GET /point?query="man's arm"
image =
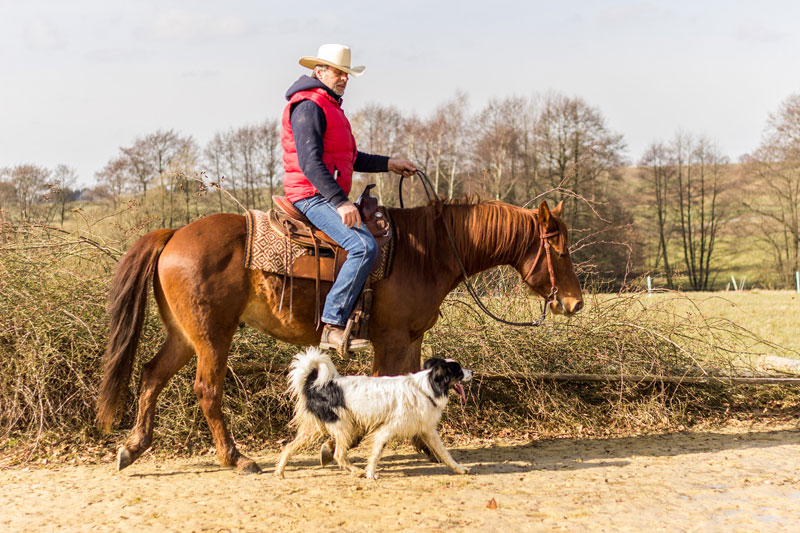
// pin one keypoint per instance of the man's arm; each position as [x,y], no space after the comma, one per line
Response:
[308,126]
[371,163]
[381,163]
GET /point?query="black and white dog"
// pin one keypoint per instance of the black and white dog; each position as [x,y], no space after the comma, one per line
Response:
[350,408]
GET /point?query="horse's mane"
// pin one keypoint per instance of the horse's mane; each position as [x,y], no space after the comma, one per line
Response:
[485,232]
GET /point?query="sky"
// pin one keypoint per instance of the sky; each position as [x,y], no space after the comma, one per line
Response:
[80,79]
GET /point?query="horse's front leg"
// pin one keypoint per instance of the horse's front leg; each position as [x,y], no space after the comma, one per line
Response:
[393,360]
[396,355]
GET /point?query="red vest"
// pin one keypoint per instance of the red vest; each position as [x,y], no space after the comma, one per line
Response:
[338,146]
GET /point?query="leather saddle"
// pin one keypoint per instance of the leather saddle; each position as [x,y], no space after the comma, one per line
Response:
[327,256]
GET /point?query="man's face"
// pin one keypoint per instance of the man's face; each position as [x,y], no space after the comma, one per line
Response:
[333,78]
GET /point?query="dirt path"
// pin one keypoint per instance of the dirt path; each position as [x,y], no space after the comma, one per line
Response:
[737,478]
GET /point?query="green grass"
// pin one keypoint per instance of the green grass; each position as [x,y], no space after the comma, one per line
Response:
[766,321]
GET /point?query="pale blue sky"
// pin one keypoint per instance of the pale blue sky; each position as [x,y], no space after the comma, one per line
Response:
[79,79]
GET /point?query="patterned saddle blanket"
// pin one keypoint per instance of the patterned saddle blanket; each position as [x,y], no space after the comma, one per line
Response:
[283,245]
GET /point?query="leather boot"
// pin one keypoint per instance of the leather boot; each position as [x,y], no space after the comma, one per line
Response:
[333,338]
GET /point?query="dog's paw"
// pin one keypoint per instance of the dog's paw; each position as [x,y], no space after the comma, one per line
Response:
[325,454]
[372,475]
[278,475]
[461,470]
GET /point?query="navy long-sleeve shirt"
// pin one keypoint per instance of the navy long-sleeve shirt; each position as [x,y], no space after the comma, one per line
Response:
[308,126]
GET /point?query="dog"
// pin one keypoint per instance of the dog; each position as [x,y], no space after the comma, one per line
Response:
[352,408]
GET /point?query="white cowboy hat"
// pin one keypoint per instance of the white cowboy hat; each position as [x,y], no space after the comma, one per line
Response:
[334,55]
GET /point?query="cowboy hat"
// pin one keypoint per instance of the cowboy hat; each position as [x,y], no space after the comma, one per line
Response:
[334,55]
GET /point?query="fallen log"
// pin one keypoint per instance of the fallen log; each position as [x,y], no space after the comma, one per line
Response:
[643,379]
[779,364]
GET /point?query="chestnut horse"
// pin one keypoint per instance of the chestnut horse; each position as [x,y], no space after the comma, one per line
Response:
[204,293]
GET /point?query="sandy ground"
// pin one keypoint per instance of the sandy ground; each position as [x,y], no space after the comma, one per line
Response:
[733,479]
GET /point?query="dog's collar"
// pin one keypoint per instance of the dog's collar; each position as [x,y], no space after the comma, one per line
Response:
[431,399]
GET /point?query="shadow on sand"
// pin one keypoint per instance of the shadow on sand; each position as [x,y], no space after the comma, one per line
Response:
[563,454]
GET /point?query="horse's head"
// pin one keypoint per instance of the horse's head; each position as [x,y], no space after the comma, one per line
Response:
[546,265]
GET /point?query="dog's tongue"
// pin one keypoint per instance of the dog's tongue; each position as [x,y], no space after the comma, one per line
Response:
[460,390]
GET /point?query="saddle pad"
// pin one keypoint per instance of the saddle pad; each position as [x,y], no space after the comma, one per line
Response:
[265,248]
[270,250]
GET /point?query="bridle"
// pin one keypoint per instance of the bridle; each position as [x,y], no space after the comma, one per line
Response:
[543,244]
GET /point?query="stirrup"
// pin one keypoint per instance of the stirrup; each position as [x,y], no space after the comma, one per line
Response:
[345,344]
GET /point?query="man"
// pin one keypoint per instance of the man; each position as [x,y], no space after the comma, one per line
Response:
[319,157]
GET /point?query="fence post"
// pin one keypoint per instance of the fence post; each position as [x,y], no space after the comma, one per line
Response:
[649,286]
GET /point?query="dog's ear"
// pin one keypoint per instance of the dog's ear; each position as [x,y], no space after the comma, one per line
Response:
[441,374]
[431,362]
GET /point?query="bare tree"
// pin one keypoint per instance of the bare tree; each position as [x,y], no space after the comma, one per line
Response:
[230,154]
[138,164]
[657,172]
[444,139]
[182,171]
[247,148]
[578,153]
[377,130]
[773,173]
[159,149]
[270,153]
[114,175]
[30,183]
[698,181]
[65,180]
[214,157]
[8,196]
[498,132]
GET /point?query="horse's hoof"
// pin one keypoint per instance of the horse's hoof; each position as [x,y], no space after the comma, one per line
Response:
[124,458]
[325,454]
[247,466]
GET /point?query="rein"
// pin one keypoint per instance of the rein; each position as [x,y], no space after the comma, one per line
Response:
[544,244]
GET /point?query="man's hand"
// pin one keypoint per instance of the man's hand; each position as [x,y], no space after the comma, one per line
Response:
[402,167]
[350,215]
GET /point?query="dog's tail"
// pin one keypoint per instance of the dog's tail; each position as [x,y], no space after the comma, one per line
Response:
[304,364]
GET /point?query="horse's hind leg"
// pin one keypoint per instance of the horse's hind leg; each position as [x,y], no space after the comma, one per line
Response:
[173,355]
[212,358]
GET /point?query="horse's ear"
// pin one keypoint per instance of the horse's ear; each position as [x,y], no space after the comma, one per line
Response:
[559,209]
[544,214]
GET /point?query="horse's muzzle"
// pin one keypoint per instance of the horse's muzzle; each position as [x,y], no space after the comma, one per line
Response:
[566,306]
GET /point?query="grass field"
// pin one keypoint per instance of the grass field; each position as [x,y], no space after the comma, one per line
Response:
[768,322]
[773,316]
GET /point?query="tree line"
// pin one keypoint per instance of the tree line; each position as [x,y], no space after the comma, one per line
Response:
[665,215]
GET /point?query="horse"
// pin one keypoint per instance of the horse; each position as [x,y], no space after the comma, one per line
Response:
[204,293]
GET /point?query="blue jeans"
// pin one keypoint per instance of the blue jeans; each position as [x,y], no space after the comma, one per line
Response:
[361,251]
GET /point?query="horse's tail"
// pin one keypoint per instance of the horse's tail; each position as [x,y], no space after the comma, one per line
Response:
[127,309]
[310,372]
